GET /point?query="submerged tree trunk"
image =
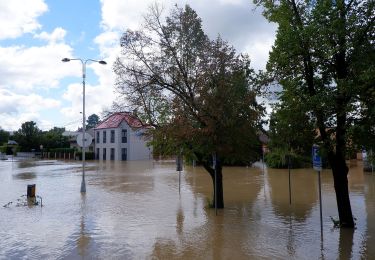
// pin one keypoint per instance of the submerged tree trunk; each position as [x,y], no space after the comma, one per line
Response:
[340,177]
[219,183]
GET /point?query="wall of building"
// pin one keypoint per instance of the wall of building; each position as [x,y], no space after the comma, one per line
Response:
[138,146]
[135,146]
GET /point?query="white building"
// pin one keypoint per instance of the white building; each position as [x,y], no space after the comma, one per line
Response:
[121,137]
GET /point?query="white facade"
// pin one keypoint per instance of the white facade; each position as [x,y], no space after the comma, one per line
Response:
[121,143]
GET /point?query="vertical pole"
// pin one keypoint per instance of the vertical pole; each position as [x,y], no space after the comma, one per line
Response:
[83,184]
[263,158]
[320,206]
[215,189]
[290,187]
[264,173]
[372,162]
[179,163]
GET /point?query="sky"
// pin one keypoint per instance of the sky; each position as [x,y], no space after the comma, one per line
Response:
[35,35]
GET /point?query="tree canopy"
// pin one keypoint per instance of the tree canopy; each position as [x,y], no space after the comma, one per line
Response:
[4,136]
[323,57]
[92,121]
[194,91]
[54,138]
[287,117]
[29,137]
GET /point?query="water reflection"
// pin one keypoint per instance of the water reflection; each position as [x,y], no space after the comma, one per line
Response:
[84,238]
[136,180]
[369,249]
[304,192]
[346,243]
[132,210]
[25,175]
[180,221]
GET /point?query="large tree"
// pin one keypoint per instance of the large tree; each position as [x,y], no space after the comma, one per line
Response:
[324,56]
[286,148]
[194,91]
[28,136]
[4,136]
[54,138]
[92,121]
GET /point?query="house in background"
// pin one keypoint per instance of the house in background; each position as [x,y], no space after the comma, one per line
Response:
[121,137]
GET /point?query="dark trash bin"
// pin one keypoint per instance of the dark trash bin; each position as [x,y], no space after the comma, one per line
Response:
[31,191]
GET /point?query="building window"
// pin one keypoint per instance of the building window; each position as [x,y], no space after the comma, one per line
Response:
[97,154]
[104,154]
[112,136]
[124,154]
[124,133]
[112,154]
[104,137]
[97,137]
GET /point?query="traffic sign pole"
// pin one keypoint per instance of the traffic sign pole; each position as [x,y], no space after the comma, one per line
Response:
[317,165]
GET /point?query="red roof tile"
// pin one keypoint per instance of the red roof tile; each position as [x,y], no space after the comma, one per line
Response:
[115,120]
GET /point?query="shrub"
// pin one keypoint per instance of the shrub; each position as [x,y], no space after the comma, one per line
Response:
[88,155]
[278,158]
[62,150]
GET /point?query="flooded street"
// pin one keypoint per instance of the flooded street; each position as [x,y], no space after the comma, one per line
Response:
[133,210]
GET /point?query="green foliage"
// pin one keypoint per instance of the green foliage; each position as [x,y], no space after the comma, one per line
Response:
[62,150]
[54,139]
[195,92]
[88,155]
[292,128]
[92,121]
[279,158]
[9,150]
[209,204]
[4,136]
[28,136]
[323,57]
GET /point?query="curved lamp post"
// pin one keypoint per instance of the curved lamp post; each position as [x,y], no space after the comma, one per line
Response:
[84,62]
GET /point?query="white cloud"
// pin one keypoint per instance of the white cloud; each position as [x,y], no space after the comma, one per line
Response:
[18,17]
[259,50]
[232,2]
[16,109]
[122,15]
[237,21]
[97,98]
[25,68]
[58,34]
[11,102]
[25,71]
[109,42]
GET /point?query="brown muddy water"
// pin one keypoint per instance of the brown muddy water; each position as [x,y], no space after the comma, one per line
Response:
[133,210]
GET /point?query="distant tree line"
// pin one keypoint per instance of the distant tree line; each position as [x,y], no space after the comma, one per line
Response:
[30,137]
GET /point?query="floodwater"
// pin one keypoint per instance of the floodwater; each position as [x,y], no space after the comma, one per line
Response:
[133,210]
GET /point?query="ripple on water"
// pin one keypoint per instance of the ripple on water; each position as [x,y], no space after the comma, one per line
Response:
[133,210]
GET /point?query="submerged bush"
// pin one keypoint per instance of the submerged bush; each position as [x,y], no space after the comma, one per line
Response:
[278,158]
[88,155]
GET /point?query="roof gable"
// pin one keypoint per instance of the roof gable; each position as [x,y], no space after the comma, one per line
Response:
[115,120]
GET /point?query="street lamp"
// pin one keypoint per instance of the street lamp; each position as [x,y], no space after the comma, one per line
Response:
[84,62]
